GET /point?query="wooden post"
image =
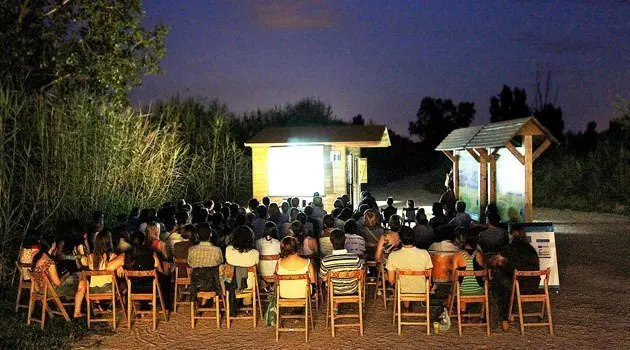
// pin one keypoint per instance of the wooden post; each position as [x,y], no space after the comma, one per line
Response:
[529,194]
[483,183]
[456,175]
[493,178]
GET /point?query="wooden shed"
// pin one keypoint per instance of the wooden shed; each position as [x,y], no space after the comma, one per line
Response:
[298,161]
[486,145]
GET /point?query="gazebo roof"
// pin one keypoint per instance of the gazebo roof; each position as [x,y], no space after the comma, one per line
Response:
[493,134]
[348,135]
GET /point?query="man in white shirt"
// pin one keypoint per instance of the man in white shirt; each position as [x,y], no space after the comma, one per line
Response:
[408,258]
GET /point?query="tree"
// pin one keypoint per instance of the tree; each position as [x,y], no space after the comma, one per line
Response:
[545,109]
[509,104]
[63,45]
[358,120]
[436,118]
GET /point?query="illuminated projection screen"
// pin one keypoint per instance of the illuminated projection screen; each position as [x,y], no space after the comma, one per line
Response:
[510,186]
[295,171]
[469,183]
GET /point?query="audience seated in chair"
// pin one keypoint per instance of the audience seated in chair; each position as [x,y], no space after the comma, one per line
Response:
[408,257]
[439,219]
[461,219]
[291,263]
[325,245]
[354,242]
[423,234]
[268,245]
[390,240]
[340,260]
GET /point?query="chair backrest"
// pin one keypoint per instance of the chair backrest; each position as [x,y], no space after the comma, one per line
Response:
[544,274]
[41,283]
[180,261]
[480,273]
[424,273]
[134,273]
[23,269]
[269,257]
[346,274]
[301,277]
[87,274]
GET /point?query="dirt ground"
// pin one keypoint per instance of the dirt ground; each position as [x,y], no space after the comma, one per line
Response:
[591,310]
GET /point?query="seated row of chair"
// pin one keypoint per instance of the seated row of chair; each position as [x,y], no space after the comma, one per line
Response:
[41,290]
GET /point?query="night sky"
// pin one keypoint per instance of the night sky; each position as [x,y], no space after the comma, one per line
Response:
[380,58]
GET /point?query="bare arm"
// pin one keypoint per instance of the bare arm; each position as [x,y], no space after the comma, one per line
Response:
[158,265]
[54,277]
[379,248]
[311,273]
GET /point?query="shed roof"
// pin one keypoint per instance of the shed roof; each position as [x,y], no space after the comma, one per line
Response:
[493,134]
[349,135]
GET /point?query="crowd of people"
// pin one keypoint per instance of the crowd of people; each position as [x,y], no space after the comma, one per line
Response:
[305,238]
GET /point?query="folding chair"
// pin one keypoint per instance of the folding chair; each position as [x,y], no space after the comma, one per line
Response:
[472,299]
[314,258]
[270,279]
[381,282]
[112,296]
[197,311]
[253,293]
[531,298]
[43,291]
[401,297]
[132,297]
[24,282]
[287,302]
[335,276]
[182,278]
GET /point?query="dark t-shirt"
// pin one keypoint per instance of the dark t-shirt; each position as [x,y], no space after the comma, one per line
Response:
[520,255]
[493,240]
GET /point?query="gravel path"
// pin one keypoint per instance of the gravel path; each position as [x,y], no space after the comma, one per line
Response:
[591,310]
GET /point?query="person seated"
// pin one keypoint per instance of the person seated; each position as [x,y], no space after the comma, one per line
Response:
[152,233]
[444,240]
[340,260]
[143,258]
[204,253]
[181,248]
[266,201]
[354,242]
[493,239]
[277,218]
[389,210]
[337,207]
[295,203]
[102,259]
[325,245]
[371,232]
[291,263]
[469,259]
[409,257]
[390,240]
[318,207]
[461,219]
[346,214]
[313,221]
[284,208]
[268,245]
[252,204]
[242,252]
[259,222]
[423,234]
[308,244]
[66,286]
[438,219]
[410,211]
[517,255]
[306,226]
[346,201]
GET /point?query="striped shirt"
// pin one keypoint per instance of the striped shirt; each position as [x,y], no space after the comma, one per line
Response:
[341,260]
[355,244]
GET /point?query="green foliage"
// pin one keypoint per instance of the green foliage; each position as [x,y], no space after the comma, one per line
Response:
[63,45]
[436,118]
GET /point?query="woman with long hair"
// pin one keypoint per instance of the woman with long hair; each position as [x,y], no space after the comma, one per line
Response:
[152,234]
[390,240]
[64,286]
[268,245]
[291,263]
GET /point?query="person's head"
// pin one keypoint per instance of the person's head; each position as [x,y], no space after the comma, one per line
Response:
[493,219]
[181,203]
[182,217]
[289,246]
[301,217]
[517,232]
[217,218]
[152,231]
[266,201]
[338,203]
[295,202]
[445,233]
[201,215]
[189,231]
[329,221]
[460,207]
[135,212]
[46,246]
[371,218]
[243,239]
[209,204]
[346,213]
[102,246]
[421,217]
[308,210]
[241,219]
[338,239]
[492,208]
[318,202]
[395,223]
[270,231]
[390,201]
[294,213]
[285,207]
[274,210]
[261,211]
[296,227]
[346,199]
[350,227]
[204,232]
[249,217]
[253,204]
[363,208]
[411,203]
[437,209]
[406,236]
[470,241]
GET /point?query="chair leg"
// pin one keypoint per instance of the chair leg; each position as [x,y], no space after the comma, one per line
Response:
[395,309]
[399,313]
[44,309]
[19,295]
[254,313]
[548,304]
[175,296]
[128,305]
[487,306]
[459,314]
[332,314]
[308,301]
[520,310]
[89,308]
[159,291]
[31,302]
[511,306]
[217,313]
[278,321]
[192,313]
[154,310]
[113,308]
[360,313]
[428,314]
[227,308]
[328,308]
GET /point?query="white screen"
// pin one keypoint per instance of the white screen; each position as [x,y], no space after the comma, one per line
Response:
[295,171]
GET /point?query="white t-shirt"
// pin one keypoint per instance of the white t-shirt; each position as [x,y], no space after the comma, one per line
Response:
[247,259]
[265,247]
[410,259]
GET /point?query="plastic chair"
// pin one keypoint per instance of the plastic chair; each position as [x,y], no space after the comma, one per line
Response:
[289,302]
[112,296]
[335,276]
[152,297]
[472,299]
[531,298]
[182,278]
[401,297]
[254,294]
[43,291]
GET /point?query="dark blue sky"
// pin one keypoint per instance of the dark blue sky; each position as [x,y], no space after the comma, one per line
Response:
[380,58]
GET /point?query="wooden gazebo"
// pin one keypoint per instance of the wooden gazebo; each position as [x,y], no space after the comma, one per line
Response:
[483,143]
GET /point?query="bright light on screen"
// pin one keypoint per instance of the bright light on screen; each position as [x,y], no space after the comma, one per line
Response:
[296,171]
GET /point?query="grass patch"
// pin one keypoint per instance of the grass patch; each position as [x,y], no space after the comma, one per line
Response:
[58,334]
